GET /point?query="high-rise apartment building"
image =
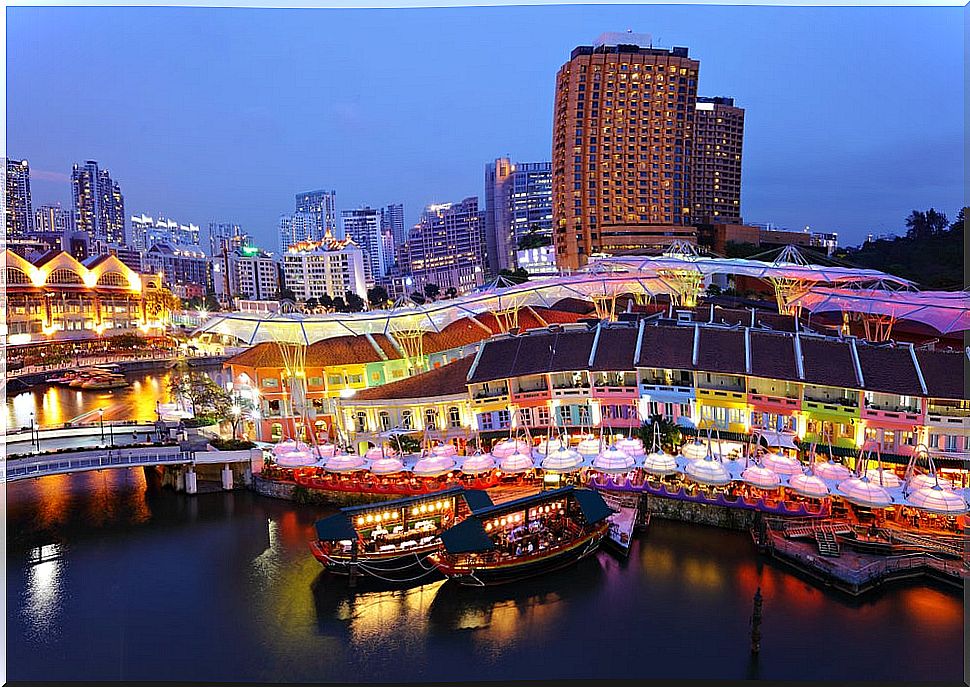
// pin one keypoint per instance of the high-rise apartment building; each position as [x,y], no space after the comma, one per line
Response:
[518,202]
[53,219]
[226,236]
[447,247]
[623,132]
[99,206]
[146,231]
[392,219]
[299,227]
[718,139]
[19,216]
[185,269]
[330,267]
[363,225]
[323,206]
[256,274]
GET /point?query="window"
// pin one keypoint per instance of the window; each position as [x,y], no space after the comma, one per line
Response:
[543,416]
[584,415]
[276,431]
[526,415]
[951,443]
[485,421]
[384,418]
[271,382]
[934,441]
[431,418]
[407,419]
[504,419]
[361,421]
[454,417]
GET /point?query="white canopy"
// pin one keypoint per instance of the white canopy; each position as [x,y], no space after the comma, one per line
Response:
[772,439]
[507,447]
[432,466]
[295,459]
[377,453]
[345,462]
[660,463]
[562,460]
[388,465]
[783,465]
[760,477]
[478,463]
[832,471]
[936,499]
[694,450]
[862,492]
[516,462]
[708,471]
[921,480]
[631,446]
[884,477]
[589,446]
[446,449]
[809,485]
[613,460]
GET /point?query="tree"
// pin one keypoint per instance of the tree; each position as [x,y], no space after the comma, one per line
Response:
[286,294]
[451,292]
[534,239]
[312,303]
[354,302]
[197,388]
[418,297]
[432,291]
[377,296]
[325,301]
[339,305]
[516,276]
[714,290]
[230,407]
[670,435]
[212,303]
[921,225]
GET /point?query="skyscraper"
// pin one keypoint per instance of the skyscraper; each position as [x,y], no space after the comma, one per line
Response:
[19,216]
[392,219]
[53,219]
[518,200]
[447,247]
[298,227]
[622,148]
[323,206]
[363,225]
[719,135]
[99,206]
[146,231]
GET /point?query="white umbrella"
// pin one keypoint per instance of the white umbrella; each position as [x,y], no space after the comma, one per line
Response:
[589,446]
[695,450]
[862,492]
[545,447]
[809,485]
[388,465]
[446,449]
[631,446]
[325,450]
[884,477]
[660,463]
[707,470]
[782,464]
[830,470]
[936,499]
[345,462]
[613,460]
[377,453]
[516,462]
[295,459]
[478,463]
[923,480]
[562,460]
[507,447]
[760,477]
[432,466]
[289,446]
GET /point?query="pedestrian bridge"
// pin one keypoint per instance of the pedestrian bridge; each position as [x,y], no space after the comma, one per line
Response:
[125,457]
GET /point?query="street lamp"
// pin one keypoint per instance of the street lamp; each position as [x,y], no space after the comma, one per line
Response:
[236,412]
[32,440]
[101,422]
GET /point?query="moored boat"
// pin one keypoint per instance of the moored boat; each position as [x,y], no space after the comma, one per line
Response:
[390,540]
[523,538]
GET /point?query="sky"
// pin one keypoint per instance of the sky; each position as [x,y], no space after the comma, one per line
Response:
[854,116]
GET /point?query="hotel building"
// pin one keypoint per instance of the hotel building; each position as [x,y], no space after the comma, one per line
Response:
[332,266]
[518,200]
[19,217]
[719,138]
[447,247]
[623,134]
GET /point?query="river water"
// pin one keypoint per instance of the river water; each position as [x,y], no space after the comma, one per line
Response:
[110,578]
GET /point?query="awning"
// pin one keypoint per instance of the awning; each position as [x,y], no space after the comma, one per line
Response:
[592,505]
[407,500]
[477,499]
[337,527]
[778,439]
[468,536]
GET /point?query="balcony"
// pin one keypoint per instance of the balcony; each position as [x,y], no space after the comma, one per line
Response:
[722,395]
[832,410]
[892,415]
[773,404]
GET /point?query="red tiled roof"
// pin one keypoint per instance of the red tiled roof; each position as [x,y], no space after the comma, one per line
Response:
[442,381]
[889,368]
[667,347]
[614,351]
[721,350]
[828,362]
[773,356]
[943,373]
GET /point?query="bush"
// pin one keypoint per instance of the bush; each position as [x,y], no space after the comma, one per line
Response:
[231,444]
[201,420]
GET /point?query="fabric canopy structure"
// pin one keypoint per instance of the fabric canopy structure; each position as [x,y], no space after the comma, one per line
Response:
[432,466]
[613,460]
[945,311]
[785,440]
[760,477]
[447,449]
[781,464]
[938,500]
[507,447]
[563,460]
[589,446]
[923,480]
[660,463]
[862,492]
[347,462]
[832,471]
[708,471]
[478,463]
[516,462]
[884,477]
[389,465]
[377,453]
[811,486]
[632,447]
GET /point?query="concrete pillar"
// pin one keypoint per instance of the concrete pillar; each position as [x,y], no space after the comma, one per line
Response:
[226,477]
[191,485]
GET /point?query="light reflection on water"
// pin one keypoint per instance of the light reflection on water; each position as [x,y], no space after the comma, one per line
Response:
[226,582]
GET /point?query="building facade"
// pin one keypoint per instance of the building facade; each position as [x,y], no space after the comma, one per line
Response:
[257,274]
[719,139]
[99,206]
[146,231]
[184,269]
[53,220]
[19,217]
[298,227]
[322,206]
[392,222]
[364,227]
[518,203]
[623,134]
[447,247]
[330,267]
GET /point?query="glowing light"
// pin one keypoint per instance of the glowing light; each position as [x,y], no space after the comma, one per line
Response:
[360,520]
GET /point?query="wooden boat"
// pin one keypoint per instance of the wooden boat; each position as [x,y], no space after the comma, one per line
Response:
[391,540]
[523,538]
[104,383]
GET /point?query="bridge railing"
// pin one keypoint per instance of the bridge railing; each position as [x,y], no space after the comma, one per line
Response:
[92,460]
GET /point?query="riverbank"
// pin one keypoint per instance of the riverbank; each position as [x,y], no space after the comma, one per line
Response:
[23,379]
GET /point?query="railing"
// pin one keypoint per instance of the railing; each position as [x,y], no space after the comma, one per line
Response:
[93,460]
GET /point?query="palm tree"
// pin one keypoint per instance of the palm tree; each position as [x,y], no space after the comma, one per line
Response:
[670,434]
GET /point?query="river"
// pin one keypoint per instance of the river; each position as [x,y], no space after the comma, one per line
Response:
[109,578]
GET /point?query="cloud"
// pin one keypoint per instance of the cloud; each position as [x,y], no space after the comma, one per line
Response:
[44,175]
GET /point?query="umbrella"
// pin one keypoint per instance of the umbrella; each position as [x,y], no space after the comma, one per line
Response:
[562,460]
[884,477]
[695,450]
[660,463]
[507,447]
[923,480]
[345,462]
[377,453]
[632,447]
[289,446]
[546,447]
[809,485]
[760,477]
[708,470]
[432,466]
[387,465]
[589,446]
[936,499]
[516,462]
[447,449]
[613,460]
[831,470]
[478,463]
[325,450]
[782,464]
[295,459]
[862,492]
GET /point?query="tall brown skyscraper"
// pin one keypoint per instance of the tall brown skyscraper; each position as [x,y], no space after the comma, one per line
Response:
[719,135]
[622,148]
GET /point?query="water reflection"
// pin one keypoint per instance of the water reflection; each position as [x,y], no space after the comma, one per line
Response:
[43,593]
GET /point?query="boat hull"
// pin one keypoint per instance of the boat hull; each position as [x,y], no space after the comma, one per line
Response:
[489,574]
[394,568]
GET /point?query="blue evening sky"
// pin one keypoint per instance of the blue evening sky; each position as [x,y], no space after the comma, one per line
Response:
[854,115]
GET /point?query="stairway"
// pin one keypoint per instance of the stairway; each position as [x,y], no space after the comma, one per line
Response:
[828,545]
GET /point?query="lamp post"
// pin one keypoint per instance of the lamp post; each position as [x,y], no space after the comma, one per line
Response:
[35,442]
[236,412]
[101,422]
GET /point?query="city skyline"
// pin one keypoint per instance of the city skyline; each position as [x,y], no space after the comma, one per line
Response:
[856,166]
